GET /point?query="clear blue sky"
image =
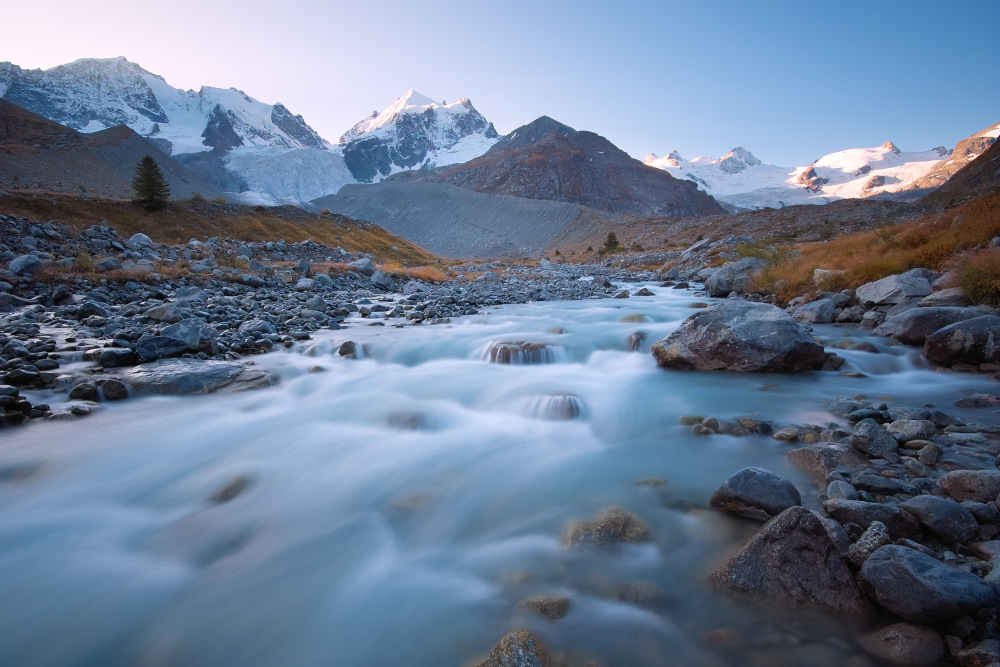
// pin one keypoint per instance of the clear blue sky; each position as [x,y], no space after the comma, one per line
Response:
[790,81]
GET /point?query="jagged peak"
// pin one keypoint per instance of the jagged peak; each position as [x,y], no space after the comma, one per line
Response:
[674,155]
[650,157]
[889,146]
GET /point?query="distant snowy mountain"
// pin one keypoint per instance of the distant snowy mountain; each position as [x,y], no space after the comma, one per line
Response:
[415,132]
[740,179]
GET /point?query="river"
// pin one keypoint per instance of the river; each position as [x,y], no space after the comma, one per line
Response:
[395,509]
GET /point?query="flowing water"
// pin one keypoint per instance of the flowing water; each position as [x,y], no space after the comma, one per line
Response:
[394,509]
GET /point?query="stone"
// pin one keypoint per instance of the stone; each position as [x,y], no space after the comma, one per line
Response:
[873,539]
[740,336]
[921,589]
[984,654]
[383,280]
[257,326]
[756,494]
[84,391]
[112,389]
[551,607]
[613,527]
[893,289]
[915,325]
[898,522]
[187,376]
[912,429]
[106,264]
[139,241]
[364,266]
[786,434]
[824,458]
[195,334]
[167,312]
[905,645]
[945,518]
[871,439]
[972,341]
[152,348]
[795,561]
[821,311]
[90,309]
[520,352]
[838,488]
[734,277]
[233,488]
[952,296]
[116,357]
[981,486]
[349,350]
[25,265]
[518,649]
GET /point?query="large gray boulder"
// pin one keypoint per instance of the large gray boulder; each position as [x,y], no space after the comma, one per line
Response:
[922,589]
[139,241]
[915,325]
[943,517]
[151,348]
[383,280]
[894,289]
[734,277]
[364,266]
[869,437]
[796,559]
[973,341]
[756,493]
[899,523]
[189,376]
[740,336]
[195,334]
[981,486]
[26,265]
[820,311]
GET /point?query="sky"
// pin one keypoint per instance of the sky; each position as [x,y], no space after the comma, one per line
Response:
[790,81]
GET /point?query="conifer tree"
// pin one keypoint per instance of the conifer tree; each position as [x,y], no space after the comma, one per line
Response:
[611,243]
[150,188]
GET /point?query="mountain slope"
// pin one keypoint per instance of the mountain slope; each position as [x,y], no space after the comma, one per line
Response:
[965,151]
[415,132]
[551,161]
[38,154]
[978,178]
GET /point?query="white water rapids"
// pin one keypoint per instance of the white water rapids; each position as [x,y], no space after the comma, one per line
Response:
[399,506]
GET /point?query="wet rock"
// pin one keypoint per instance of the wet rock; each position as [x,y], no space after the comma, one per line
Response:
[349,349]
[899,523]
[824,458]
[195,334]
[518,649]
[521,352]
[90,309]
[159,347]
[756,493]
[973,341]
[893,289]
[613,527]
[112,389]
[740,336]
[874,483]
[905,645]
[871,439]
[558,407]
[840,489]
[915,325]
[735,277]
[979,485]
[794,560]
[84,391]
[945,518]
[116,357]
[912,429]
[552,607]
[919,588]
[786,434]
[820,311]
[873,539]
[185,376]
[231,490]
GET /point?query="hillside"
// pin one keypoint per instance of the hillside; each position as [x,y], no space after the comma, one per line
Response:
[36,153]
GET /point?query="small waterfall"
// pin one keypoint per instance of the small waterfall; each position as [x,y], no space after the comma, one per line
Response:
[521,353]
[556,407]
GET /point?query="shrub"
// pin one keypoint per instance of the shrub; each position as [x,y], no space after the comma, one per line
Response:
[979,277]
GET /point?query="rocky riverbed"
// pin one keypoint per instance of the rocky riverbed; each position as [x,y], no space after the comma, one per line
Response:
[486,456]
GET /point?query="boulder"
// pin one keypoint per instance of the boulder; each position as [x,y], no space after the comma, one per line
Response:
[915,325]
[364,266]
[518,649]
[823,458]
[115,357]
[893,289]
[873,539]
[152,348]
[383,280]
[953,296]
[25,265]
[167,312]
[756,493]
[613,527]
[189,376]
[899,523]
[257,326]
[912,429]
[734,277]
[820,311]
[972,341]
[870,438]
[139,241]
[922,589]
[552,607]
[106,264]
[796,561]
[90,309]
[195,334]
[905,645]
[982,486]
[740,336]
[945,518]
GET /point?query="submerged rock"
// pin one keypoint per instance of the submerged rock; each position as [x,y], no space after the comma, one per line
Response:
[613,527]
[905,645]
[796,561]
[919,588]
[186,376]
[740,336]
[756,494]
[521,352]
[550,606]
[518,649]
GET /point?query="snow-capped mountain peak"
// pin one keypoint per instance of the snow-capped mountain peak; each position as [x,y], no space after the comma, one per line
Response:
[889,146]
[414,132]
[735,160]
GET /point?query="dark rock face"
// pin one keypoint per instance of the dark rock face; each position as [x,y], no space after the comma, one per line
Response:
[518,649]
[973,341]
[898,522]
[795,561]
[915,325]
[919,588]
[945,518]
[548,160]
[740,336]
[756,493]
[219,132]
[295,127]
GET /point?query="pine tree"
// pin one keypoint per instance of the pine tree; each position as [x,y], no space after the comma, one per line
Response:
[150,188]
[611,243]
